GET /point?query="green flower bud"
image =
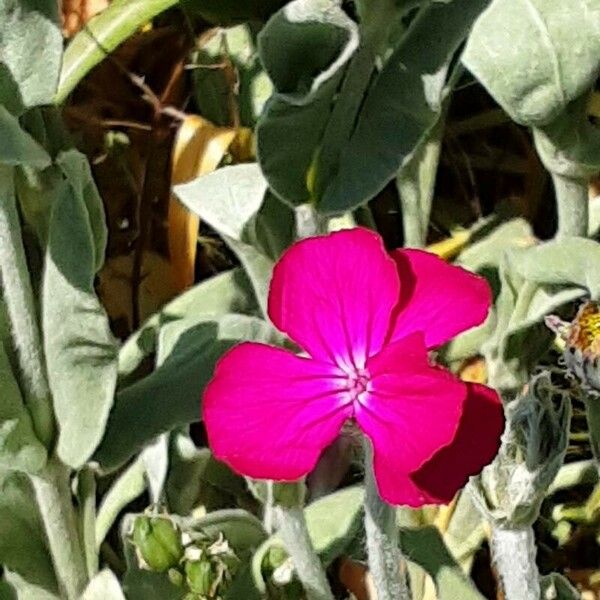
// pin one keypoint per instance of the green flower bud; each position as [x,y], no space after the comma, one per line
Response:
[159,542]
[200,576]
[510,491]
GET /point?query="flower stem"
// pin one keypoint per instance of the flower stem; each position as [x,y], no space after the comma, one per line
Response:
[87,502]
[385,557]
[415,182]
[294,533]
[53,497]
[572,204]
[513,552]
[20,305]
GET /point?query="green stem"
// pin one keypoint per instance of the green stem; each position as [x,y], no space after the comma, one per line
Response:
[87,501]
[53,495]
[294,533]
[386,562]
[416,183]
[572,204]
[20,305]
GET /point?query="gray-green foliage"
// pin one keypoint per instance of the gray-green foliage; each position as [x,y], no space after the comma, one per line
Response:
[29,37]
[170,396]
[80,350]
[536,56]
[235,201]
[315,136]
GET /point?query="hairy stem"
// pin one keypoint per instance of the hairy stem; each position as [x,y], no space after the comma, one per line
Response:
[20,306]
[87,501]
[385,557]
[572,204]
[513,552]
[53,497]
[294,533]
[415,183]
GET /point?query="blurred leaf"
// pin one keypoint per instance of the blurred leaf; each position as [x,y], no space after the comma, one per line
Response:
[29,37]
[80,350]
[18,147]
[562,45]
[170,396]
[104,586]
[223,293]
[558,587]
[16,587]
[572,261]
[19,447]
[199,148]
[425,547]
[22,539]
[101,36]
[334,521]
[139,584]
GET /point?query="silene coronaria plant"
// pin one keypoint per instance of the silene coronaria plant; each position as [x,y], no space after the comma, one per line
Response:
[366,323]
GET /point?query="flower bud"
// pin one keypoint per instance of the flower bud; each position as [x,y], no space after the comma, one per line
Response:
[158,541]
[510,490]
[200,576]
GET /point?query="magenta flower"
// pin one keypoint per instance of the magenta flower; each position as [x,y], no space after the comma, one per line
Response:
[366,321]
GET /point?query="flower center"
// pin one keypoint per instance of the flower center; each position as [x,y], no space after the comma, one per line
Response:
[358,384]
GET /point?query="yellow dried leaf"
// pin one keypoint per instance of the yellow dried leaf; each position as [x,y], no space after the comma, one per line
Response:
[199,148]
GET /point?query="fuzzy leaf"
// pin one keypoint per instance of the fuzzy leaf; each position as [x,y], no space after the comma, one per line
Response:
[170,396]
[20,449]
[80,350]
[571,261]
[18,147]
[257,227]
[104,586]
[399,108]
[425,547]
[22,540]
[226,292]
[561,43]
[29,37]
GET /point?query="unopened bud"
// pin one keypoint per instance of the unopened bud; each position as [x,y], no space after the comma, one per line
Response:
[510,490]
[200,576]
[158,541]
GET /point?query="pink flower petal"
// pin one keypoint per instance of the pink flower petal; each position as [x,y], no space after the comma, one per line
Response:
[412,409]
[475,445]
[333,295]
[437,298]
[269,413]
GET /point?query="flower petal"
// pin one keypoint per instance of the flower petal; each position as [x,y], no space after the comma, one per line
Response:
[437,298]
[474,446]
[412,409]
[333,295]
[269,413]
